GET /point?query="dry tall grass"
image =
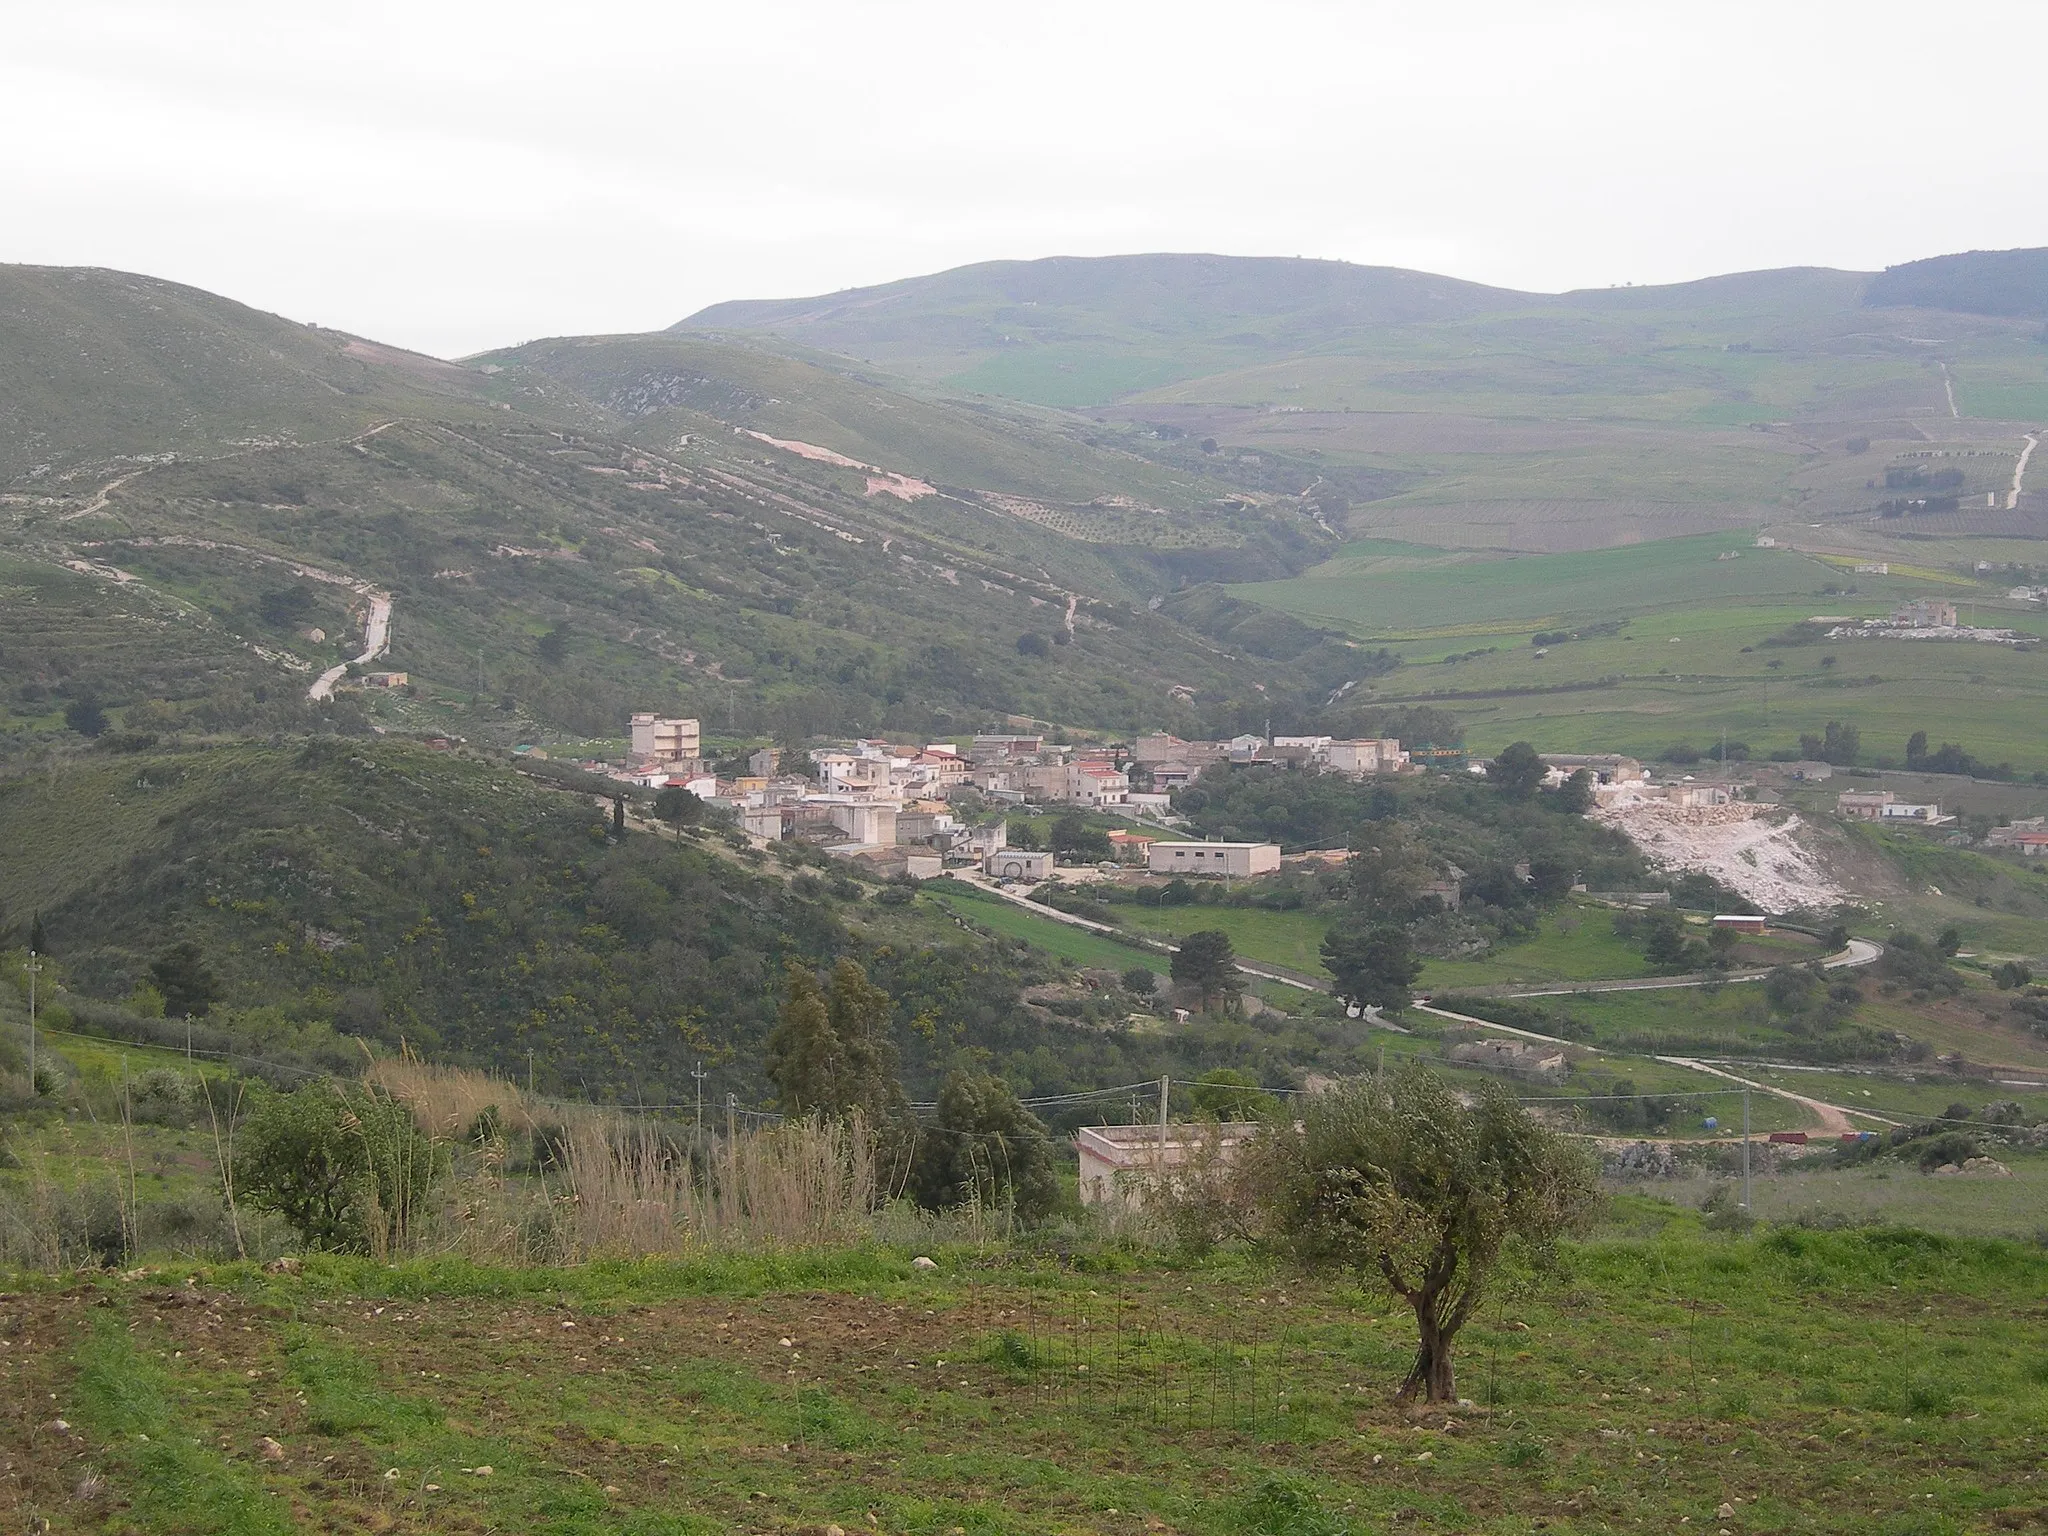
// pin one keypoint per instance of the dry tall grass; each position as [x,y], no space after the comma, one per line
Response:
[447,1101]
[631,1190]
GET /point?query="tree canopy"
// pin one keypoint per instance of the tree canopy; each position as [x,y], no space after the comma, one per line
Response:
[678,806]
[186,981]
[832,1052]
[1396,1179]
[985,1148]
[347,1169]
[1372,964]
[1517,772]
[1206,962]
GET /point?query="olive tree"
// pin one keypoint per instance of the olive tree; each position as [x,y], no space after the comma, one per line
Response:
[1397,1179]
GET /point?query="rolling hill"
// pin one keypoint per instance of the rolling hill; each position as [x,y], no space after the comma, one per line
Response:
[1973,282]
[99,366]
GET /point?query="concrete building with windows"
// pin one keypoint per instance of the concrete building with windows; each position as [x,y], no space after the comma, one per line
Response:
[1237,861]
[658,739]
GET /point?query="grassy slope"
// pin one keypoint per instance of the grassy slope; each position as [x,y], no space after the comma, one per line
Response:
[409,893]
[1822,1382]
[678,601]
[653,387]
[96,363]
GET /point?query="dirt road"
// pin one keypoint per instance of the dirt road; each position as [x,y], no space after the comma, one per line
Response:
[2019,472]
[1833,1118]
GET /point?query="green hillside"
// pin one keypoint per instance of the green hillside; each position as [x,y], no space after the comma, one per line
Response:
[1083,330]
[98,365]
[1487,417]
[657,388]
[753,588]
[1977,282]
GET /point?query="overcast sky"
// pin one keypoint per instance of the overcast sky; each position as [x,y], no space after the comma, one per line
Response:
[452,175]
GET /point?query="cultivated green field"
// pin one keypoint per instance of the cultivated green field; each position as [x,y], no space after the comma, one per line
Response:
[1689,658]
[1805,1381]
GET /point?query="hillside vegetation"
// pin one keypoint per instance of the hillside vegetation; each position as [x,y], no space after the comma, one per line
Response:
[98,366]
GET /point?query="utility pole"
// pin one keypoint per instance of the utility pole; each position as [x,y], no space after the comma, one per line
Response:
[1745,1149]
[34,969]
[529,1072]
[700,1074]
[1163,1090]
[731,1118]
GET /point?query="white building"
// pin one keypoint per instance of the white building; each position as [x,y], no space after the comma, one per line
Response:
[1926,815]
[1606,767]
[657,739]
[1120,1162]
[1017,864]
[1234,860]
[1092,785]
[1359,758]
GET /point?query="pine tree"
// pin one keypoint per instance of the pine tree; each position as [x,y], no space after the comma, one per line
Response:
[805,1062]
[1206,962]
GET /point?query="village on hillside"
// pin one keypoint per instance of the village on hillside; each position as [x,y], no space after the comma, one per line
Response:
[922,809]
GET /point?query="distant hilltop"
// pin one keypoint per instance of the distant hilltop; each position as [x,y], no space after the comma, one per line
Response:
[1186,292]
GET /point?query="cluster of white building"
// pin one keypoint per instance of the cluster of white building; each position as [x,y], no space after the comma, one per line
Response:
[892,804]
[1168,762]
[1925,619]
[1884,805]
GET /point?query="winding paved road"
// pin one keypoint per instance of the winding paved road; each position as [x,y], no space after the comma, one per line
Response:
[376,641]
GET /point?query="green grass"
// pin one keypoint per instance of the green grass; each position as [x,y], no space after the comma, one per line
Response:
[1080,945]
[1689,661]
[1290,939]
[1381,596]
[1824,1381]
[1576,943]
[137,1409]
[1897,1193]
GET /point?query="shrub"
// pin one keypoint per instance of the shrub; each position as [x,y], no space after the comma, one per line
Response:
[346,1168]
[1949,1147]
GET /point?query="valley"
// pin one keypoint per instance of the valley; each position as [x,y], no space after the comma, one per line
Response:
[683,824]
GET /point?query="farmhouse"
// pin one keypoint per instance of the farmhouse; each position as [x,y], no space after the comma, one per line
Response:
[1235,860]
[1359,758]
[1119,1161]
[1517,1058]
[1925,815]
[1863,804]
[1926,613]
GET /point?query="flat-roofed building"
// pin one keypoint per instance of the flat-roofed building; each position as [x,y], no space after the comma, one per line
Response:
[1121,1163]
[1016,864]
[1359,758]
[660,739]
[1235,860]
